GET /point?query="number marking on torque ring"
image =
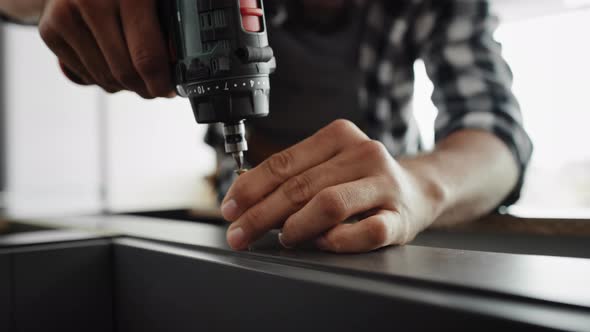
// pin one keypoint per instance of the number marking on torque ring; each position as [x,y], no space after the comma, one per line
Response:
[202,89]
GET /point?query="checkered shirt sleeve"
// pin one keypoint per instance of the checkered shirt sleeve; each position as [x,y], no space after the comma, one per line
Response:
[472,81]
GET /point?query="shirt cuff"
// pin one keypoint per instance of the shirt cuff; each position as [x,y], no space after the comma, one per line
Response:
[506,129]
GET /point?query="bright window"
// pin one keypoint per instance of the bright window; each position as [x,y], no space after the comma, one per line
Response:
[550,58]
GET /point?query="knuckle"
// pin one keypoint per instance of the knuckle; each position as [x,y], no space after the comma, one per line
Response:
[252,219]
[111,90]
[61,11]
[106,79]
[242,192]
[127,77]
[374,149]
[147,65]
[279,164]
[57,17]
[337,243]
[237,189]
[406,235]
[48,33]
[146,96]
[298,189]
[290,232]
[333,243]
[333,204]
[343,126]
[92,6]
[377,233]
[377,154]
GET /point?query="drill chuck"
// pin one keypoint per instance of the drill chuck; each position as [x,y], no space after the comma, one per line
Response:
[235,138]
[235,142]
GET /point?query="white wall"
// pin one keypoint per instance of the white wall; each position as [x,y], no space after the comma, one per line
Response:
[51,136]
[148,155]
[156,155]
[511,10]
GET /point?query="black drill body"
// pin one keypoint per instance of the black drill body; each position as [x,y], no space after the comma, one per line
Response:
[221,62]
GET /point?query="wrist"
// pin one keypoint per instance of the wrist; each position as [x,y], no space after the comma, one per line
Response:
[431,189]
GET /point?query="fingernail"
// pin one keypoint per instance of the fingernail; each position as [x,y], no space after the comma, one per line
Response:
[236,237]
[283,243]
[230,210]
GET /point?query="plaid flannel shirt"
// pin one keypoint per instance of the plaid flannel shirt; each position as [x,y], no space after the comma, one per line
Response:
[472,82]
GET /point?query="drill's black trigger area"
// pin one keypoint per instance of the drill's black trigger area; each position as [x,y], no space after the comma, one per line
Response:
[250,54]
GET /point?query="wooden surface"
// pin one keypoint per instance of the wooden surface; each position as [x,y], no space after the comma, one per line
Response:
[510,224]
[3,226]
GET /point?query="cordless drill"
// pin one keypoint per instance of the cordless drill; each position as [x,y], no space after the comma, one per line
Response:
[221,62]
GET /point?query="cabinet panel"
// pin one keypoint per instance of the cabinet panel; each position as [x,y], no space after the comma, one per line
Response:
[64,288]
[5,292]
[162,291]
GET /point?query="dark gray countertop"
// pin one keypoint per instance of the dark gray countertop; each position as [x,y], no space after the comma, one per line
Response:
[562,280]
[480,273]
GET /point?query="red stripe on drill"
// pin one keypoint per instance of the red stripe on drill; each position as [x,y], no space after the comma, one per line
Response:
[251,15]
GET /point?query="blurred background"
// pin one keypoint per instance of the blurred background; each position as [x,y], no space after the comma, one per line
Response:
[68,150]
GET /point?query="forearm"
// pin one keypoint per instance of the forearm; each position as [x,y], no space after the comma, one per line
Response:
[22,10]
[471,171]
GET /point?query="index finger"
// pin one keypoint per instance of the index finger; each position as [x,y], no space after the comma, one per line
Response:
[102,18]
[146,44]
[256,184]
